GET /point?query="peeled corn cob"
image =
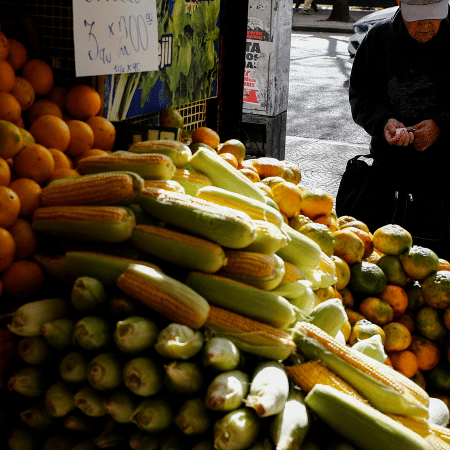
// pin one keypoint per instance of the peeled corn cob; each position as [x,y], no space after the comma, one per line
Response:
[255,209]
[152,166]
[384,388]
[222,225]
[361,424]
[168,185]
[310,373]
[182,249]
[242,298]
[257,269]
[268,239]
[191,181]
[86,223]
[110,188]
[177,151]
[169,297]
[250,335]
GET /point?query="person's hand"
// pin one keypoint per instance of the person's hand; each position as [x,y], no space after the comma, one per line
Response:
[402,138]
[425,134]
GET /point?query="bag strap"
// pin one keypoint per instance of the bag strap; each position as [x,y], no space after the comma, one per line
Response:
[361,156]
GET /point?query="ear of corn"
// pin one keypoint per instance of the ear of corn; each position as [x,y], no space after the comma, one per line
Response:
[222,225]
[110,224]
[177,151]
[291,289]
[167,296]
[241,298]
[223,174]
[300,250]
[111,188]
[384,388]
[184,250]
[191,181]
[227,390]
[256,269]
[361,424]
[101,266]
[255,209]
[153,166]
[268,239]
[269,389]
[289,428]
[250,335]
[168,185]
[329,316]
[310,373]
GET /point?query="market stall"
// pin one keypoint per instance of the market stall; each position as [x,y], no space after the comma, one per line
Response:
[162,287]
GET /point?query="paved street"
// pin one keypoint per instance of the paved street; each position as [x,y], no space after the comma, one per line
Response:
[321,135]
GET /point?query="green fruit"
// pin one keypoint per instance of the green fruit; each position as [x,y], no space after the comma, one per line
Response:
[170,117]
[366,279]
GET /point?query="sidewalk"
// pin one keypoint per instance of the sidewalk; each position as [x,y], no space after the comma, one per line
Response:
[317,21]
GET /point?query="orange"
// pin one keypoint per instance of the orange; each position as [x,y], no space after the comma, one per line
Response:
[23,279]
[43,107]
[355,224]
[413,290]
[397,337]
[10,108]
[316,202]
[288,197]
[249,173]
[427,352]
[90,152]
[7,249]
[206,135]
[446,318]
[231,159]
[419,262]
[11,140]
[81,137]
[4,46]
[170,117]
[393,269]
[24,93]
[25,238]
[376,310]
[63,173]
[404,362]
[348,246]
[58,95]
[7,76]
[104,132]
[34,161]
[27,136]
[83,101]
[40,75]
[353,316]
[364,329]
[367,279]
[5,173]
[9,206]
[430,323]
[439,378]
[328,220]
[444,264]
[396,297]
[374,257]
[321,235]
[419,379]
[365,236]
[342,272]
[51,131]
[436,289]
[62,161]
[18,54]
[347,298]
[29,193]
[392,239]
[407,319]
[235,147]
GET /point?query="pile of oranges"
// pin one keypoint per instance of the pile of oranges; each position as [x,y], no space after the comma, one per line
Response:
[44,130]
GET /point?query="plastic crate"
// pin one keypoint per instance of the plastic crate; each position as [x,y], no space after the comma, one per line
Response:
[264,135]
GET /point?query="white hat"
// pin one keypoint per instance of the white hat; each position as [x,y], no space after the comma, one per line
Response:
[413,10]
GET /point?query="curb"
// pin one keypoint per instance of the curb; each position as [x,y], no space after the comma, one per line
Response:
[324,29]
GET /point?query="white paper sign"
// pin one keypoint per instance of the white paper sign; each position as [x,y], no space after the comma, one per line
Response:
[115,36]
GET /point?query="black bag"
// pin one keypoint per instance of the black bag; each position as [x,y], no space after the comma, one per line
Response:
[371,194]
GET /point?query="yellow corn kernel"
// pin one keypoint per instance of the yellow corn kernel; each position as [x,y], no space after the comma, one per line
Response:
[308,374]
[98,189]
[292,273]
[81,213]
[249,334]
[384,374]
[168,185]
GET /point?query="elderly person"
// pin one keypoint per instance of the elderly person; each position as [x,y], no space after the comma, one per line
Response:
[399,93]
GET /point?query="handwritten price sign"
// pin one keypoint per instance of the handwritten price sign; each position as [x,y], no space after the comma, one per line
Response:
[115,36]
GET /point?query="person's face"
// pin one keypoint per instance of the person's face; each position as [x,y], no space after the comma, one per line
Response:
[423,30]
